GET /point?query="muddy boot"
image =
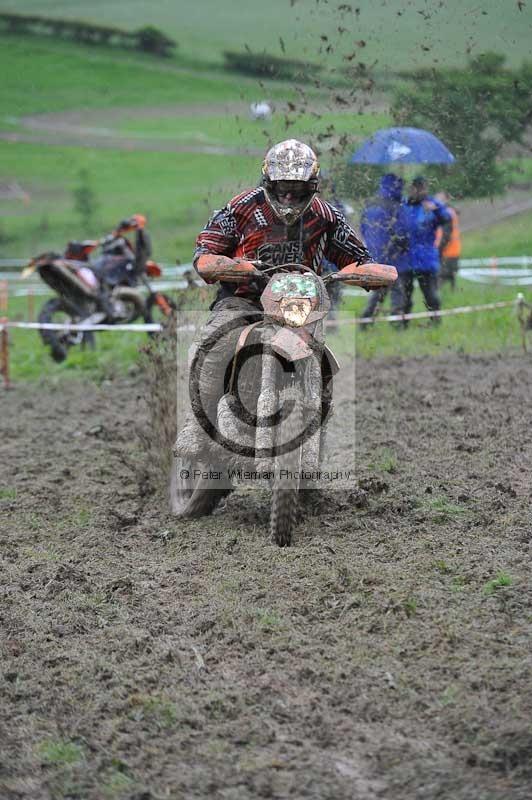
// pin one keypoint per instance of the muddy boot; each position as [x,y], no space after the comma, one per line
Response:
[192,441]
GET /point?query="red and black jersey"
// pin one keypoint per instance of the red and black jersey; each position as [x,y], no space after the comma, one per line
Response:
[248,228]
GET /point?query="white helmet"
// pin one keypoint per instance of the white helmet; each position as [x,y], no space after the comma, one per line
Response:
[290,179]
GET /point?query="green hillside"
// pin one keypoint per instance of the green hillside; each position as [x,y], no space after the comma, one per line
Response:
[394,34]
[170,106]
[41,75]
[510,237]
[176,191]
[166,106]
[243,131]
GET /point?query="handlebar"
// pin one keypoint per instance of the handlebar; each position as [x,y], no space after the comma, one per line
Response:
[213,268]
[261,265]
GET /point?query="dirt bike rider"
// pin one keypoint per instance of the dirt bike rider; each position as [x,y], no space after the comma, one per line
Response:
[281,221]
[120,260]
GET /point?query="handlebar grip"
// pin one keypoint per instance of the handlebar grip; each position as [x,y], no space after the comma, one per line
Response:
[369,276]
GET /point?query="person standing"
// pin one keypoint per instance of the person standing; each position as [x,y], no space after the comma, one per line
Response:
[423,215]
[449,243]
[383,229]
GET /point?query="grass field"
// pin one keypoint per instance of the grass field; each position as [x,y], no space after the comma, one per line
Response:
[510,237]
[465,333]
[40,75]
[176,191]
[240,130]
[393,34]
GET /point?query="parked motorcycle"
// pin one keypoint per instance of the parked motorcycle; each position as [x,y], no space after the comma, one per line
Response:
[275,418]
[102,290]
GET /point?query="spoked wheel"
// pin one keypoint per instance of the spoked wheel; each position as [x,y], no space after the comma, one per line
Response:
[128,305]
[56,311]
[192,494]
[286,480]
[159,308]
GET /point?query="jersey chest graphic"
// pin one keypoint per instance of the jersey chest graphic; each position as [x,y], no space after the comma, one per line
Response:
[281,246]
[280,253]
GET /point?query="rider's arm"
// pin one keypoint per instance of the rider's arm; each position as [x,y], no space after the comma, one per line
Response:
[219,236]
[344,246]
[213,268]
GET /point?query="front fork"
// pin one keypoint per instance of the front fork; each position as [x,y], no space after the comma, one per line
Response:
[313,399]
[267,406]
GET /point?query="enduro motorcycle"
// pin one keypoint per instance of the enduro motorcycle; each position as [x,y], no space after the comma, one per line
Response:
[273,417]
[103,290]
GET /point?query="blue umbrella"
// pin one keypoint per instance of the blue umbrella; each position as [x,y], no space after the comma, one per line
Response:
[402,146]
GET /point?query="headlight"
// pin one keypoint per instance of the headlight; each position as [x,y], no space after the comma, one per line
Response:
[295,310]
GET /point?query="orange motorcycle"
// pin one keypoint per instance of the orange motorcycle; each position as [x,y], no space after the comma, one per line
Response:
[272,419]
[111,289]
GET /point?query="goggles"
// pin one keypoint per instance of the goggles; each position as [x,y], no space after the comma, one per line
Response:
[293,190]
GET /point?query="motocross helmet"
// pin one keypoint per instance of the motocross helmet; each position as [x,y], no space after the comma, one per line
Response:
[133,223]
[290,179]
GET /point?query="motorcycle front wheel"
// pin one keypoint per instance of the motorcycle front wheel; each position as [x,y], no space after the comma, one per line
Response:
[57,311]
[128,305]
[286,480]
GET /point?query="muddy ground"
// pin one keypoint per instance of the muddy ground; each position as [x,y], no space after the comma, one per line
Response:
[387,654]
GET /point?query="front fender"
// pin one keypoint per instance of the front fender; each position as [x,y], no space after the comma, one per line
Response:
[292,344]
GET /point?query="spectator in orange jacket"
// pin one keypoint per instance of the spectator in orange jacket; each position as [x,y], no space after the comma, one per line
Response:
[449,243]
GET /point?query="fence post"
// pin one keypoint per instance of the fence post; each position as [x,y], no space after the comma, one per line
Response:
[522,306]
[4,289]
[4,352]
[31,304]
[4,336]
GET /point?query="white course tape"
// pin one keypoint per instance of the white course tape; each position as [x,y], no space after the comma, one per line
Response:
[155,327]
[431,314]
[148,327]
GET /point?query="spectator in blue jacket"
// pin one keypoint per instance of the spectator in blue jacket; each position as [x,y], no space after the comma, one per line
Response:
[383,228]
[422,215]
